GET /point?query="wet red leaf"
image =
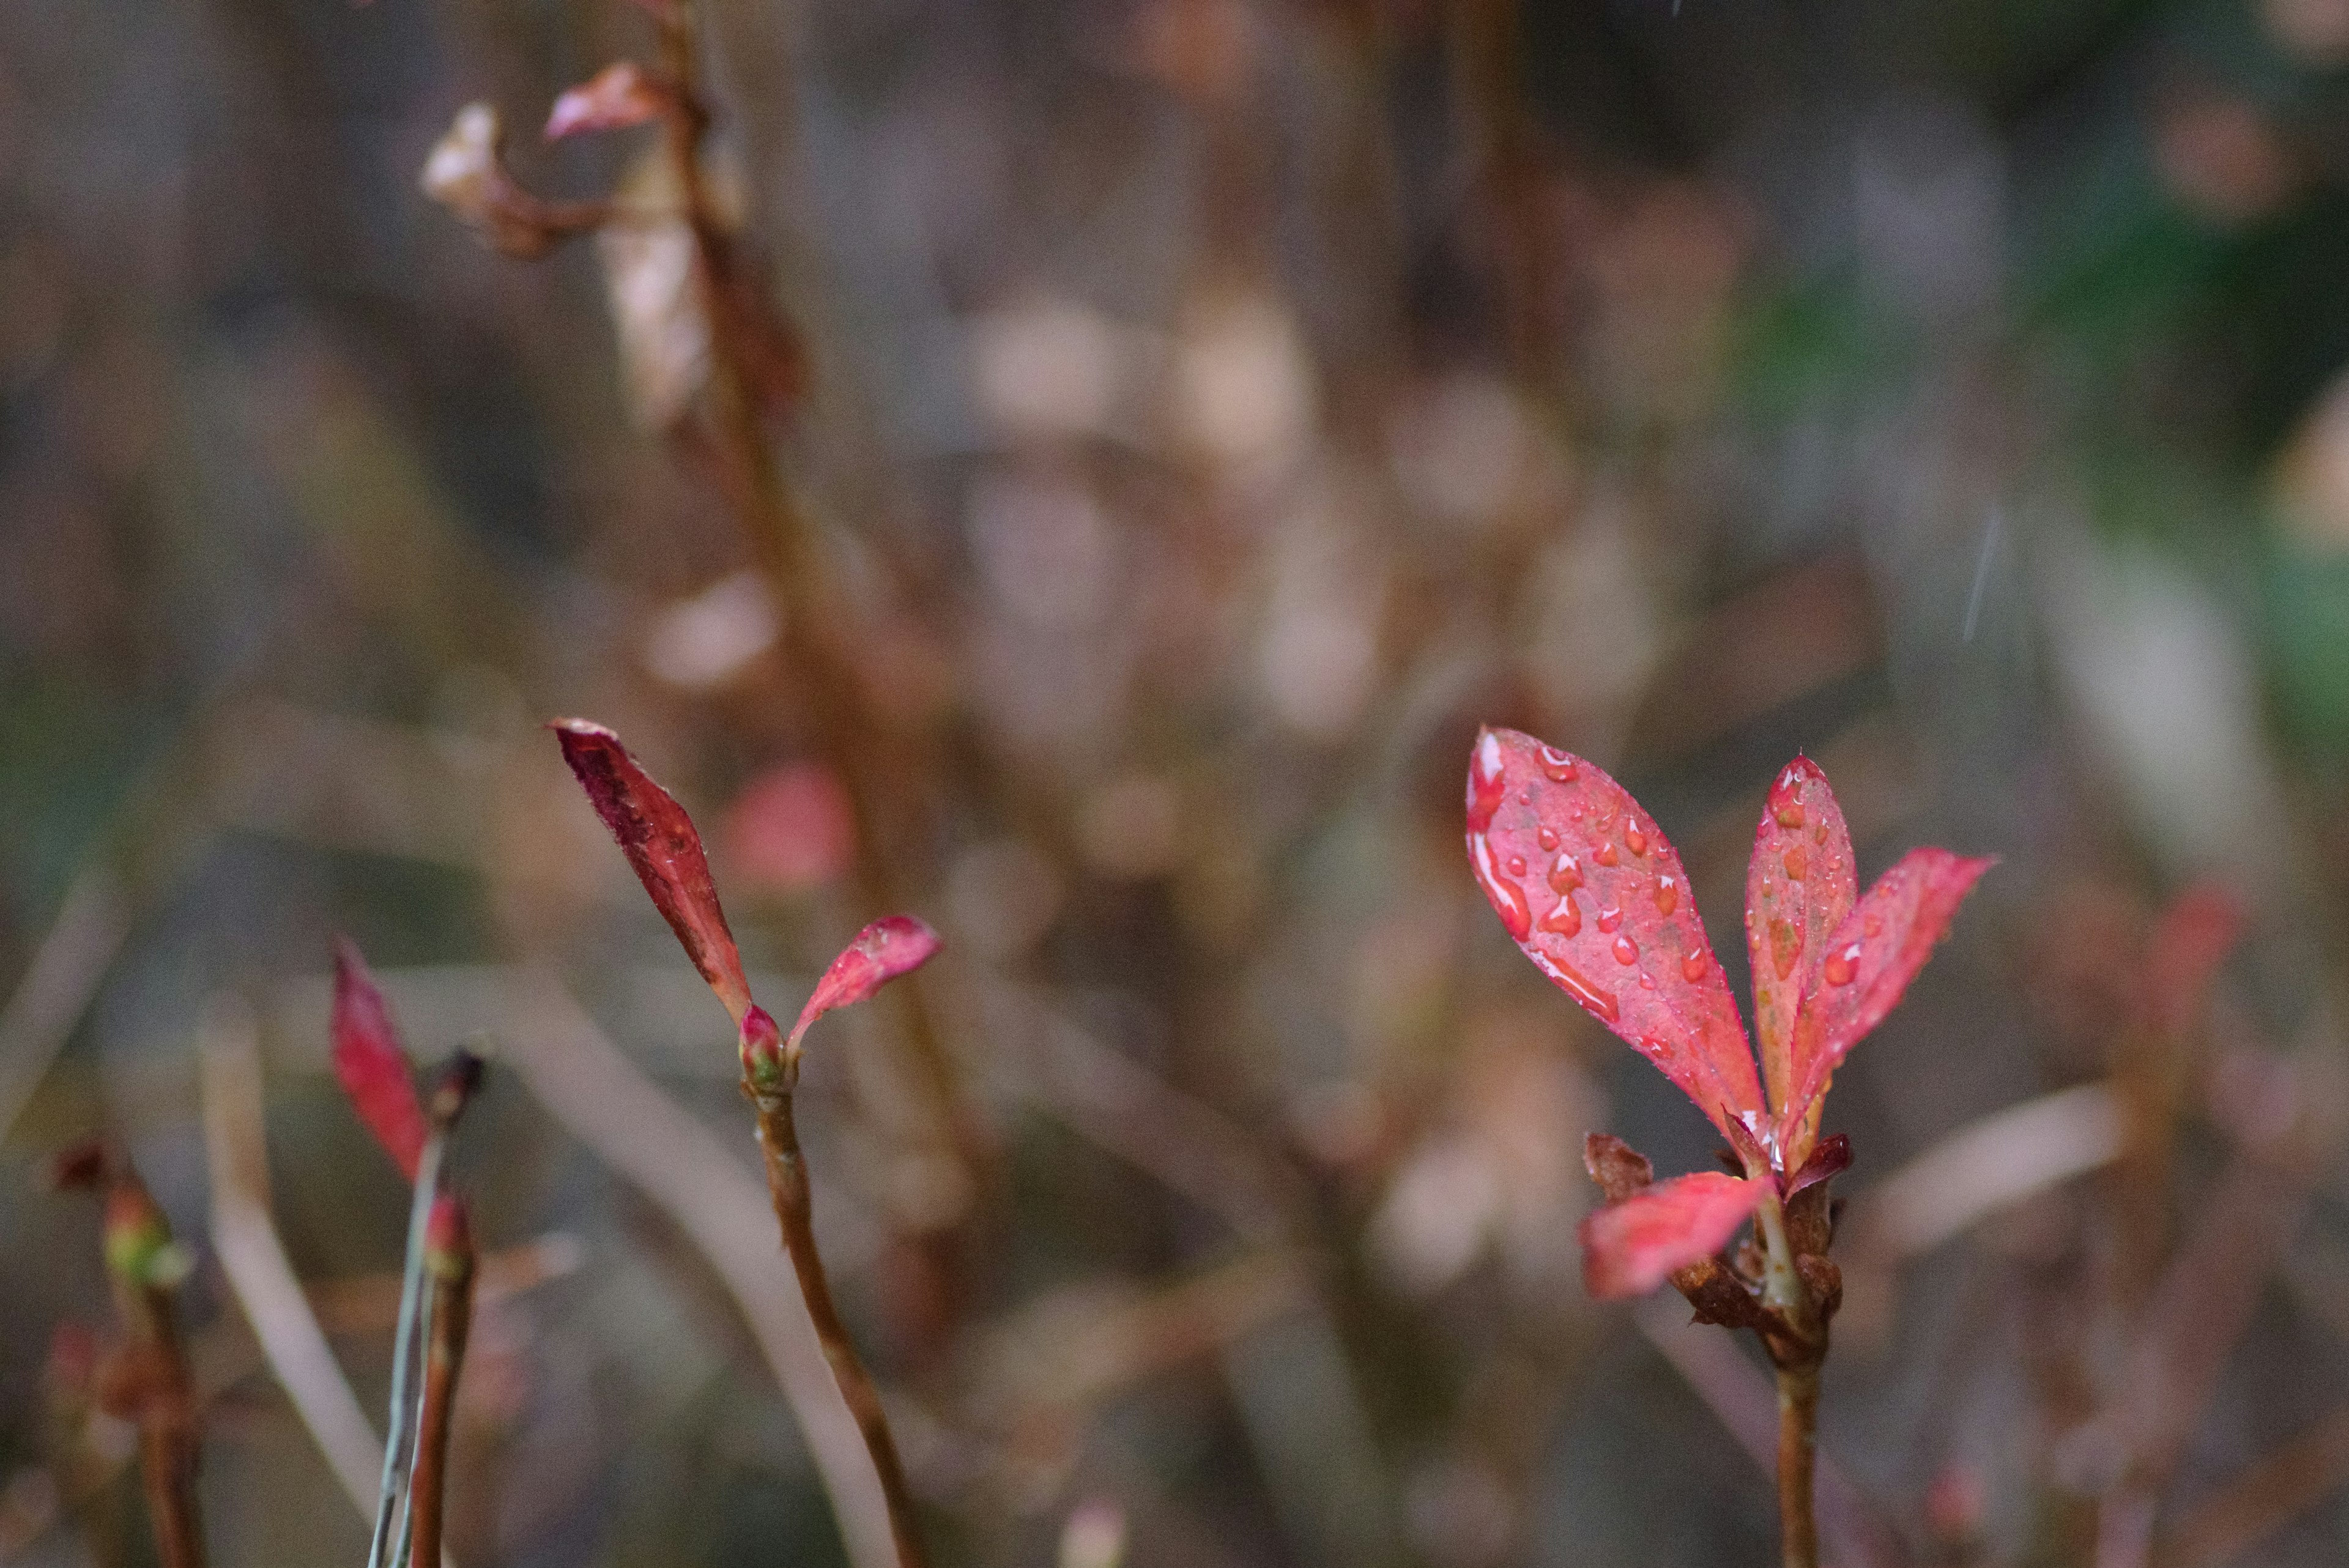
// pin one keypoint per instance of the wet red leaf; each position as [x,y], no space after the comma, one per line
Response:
[1799,885]
[659,840]
[1595,895]
[614,99]
[1630,1248]
[371,1065]
[1869,961]
[882,951]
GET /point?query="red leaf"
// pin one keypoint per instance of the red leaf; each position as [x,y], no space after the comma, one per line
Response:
[793,829]
[614,99]
[369,1060]
[1595,895]
[1870,959]
[659,840]
[1630,1248]
[882,951]
[1799,885]
[2189,942]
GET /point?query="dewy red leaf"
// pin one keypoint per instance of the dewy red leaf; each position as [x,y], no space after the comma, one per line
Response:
[1630,1248]
[1799,885]
[371,1065]
[614,99]
[1595,895]
[882,951]
[659,838]
[1870,959]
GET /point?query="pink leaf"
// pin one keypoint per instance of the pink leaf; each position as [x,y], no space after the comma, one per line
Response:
[369,1060]
[614,99]
[659,840]
[2191,939]
[882,951]
[1870,959]
[793,829]
[1630,1248]
[1595,895]
[1799,885]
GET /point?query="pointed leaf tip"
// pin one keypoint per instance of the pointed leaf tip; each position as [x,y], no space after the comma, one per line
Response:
[663,847]
[1594,894]
[370,1064]
[889,947]
[1631,1247]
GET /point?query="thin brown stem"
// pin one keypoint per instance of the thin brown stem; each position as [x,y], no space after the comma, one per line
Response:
[1798,1424]
[452,1316]
[1796,1346]
[783,542]
[787,1185]
[167,1449]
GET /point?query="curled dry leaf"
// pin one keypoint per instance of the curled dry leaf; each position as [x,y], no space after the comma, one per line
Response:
[659,840]
[1595,895]
[371,1065]
[614,99]
[1630,1248]
[889,947]
[466,173]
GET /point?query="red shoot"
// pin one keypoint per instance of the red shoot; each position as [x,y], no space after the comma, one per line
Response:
[371,1065]
[1631,1247]
[1594,894]
[614,99]
[889,947]
[659,840]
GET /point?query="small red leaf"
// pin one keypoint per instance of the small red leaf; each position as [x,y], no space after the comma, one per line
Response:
[1869,962]
[1799,885]
[882,951]
[1595,895]
[659,840]
[2189,942]
[1630,1248]
[370,1063]
[614,99]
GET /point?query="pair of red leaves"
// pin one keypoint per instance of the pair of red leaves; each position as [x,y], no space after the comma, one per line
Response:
[662,846]
[1595,895]
[659,841]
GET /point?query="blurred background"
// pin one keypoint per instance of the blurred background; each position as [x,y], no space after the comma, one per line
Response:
[1194,418]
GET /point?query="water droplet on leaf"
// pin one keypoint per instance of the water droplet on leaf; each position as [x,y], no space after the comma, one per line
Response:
[1795,862]
[1667,896]
[1609,919]
[1841,966]
[1627,951]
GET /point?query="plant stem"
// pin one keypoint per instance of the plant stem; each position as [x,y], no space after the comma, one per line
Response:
[167,1443]
[1797,1353]
[1798,1415]
[452,1316]
[783,542]
[413,1306]
[787,1185]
